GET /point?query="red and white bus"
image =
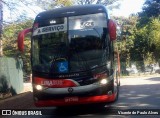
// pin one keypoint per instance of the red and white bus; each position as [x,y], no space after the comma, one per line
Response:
[73,57]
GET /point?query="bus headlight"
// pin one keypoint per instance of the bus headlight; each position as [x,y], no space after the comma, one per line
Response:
[102,78]
[103,81]
[39,87]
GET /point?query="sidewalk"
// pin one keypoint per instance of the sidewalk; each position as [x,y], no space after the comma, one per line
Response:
[140,75]
[27,87]
[19,101]
[8,102]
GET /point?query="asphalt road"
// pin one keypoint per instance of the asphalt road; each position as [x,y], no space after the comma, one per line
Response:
[138,95]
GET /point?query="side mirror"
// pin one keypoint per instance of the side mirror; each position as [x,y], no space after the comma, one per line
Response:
[112,30]
[21,37]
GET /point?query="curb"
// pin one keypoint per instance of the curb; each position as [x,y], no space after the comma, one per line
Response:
[27,87]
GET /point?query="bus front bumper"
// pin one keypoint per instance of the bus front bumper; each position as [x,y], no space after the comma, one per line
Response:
[68,101]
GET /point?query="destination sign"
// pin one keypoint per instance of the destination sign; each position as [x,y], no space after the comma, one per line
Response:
[50,29]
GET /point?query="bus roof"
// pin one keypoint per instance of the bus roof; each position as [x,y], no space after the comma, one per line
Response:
[71,11]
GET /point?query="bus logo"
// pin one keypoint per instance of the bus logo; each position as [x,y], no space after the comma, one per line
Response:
[87,24]
[70,90]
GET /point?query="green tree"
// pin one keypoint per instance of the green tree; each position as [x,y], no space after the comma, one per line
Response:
[50,4]
[126,43]
[128,26]
[154,37]
[151,8]
[147,42]
[10,34]
[149,20]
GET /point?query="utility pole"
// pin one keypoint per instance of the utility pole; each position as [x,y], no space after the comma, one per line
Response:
[1,21]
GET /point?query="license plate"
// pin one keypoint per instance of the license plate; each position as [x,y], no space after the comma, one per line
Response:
[71,99]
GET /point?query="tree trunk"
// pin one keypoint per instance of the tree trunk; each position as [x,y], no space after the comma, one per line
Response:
[1,20]
[1,49]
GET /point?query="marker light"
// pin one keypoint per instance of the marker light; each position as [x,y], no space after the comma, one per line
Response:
[52,22]
[103,81]
[39,87]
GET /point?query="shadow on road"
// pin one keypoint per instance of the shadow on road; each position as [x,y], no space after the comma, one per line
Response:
[143,96]
[154,79]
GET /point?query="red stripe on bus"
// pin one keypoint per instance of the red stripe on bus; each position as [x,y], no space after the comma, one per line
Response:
[54,83]
[81,100]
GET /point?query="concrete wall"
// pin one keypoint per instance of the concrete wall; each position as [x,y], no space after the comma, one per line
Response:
[11,75]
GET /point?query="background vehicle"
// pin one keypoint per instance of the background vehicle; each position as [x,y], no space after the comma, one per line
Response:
[73,56]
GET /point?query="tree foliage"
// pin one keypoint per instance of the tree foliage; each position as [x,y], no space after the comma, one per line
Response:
[109,3]
[50,4]
[10,34]
[148,28]
[151,8]
[139,43]
[154,37]
[128,26]
[147,41]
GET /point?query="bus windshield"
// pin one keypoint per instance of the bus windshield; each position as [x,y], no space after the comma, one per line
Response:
[77,43]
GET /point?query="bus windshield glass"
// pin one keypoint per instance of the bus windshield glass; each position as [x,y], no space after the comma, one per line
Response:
[70,44]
